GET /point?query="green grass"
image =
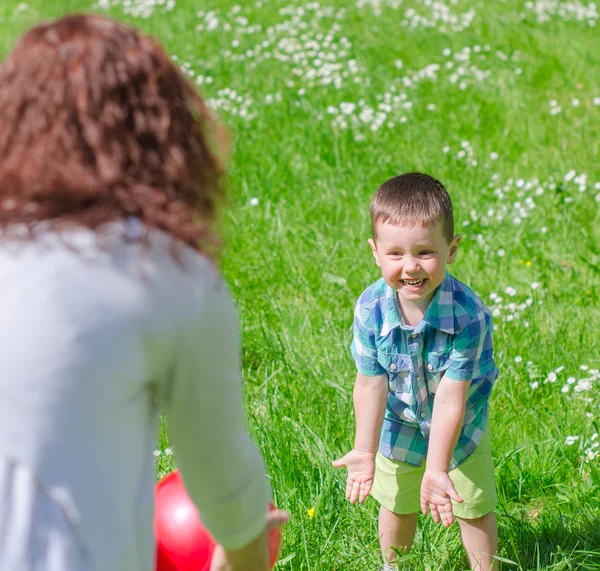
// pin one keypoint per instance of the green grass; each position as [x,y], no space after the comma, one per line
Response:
[298,260]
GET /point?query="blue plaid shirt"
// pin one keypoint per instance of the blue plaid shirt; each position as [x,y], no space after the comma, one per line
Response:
[454,339]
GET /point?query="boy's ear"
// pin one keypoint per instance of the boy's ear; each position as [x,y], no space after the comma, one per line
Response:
[453,249]
[374,250]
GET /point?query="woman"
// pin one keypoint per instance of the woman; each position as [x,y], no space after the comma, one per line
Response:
[110,181]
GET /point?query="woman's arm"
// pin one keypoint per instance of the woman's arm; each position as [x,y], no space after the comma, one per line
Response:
[223,470]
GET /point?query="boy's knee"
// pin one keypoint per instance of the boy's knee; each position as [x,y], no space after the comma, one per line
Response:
[476,521]
[399,517]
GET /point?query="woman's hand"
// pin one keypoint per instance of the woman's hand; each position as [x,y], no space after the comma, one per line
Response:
[255,555]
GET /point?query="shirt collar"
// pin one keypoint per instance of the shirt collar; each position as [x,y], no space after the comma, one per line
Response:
[439,312]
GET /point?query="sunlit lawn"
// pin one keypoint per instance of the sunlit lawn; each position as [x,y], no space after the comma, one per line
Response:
[501,101]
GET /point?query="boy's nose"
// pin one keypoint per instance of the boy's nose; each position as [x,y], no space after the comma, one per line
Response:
[410,264]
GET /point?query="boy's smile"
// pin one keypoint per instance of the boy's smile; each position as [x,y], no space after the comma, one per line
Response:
[413,260]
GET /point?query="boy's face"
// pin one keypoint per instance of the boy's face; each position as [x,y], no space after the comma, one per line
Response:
[413,259]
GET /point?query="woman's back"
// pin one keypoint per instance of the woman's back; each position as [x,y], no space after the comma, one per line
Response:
[90,340]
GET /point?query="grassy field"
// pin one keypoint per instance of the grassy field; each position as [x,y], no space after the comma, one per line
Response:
[499,100]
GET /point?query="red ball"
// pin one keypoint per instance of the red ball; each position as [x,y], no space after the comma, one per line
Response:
[182,542]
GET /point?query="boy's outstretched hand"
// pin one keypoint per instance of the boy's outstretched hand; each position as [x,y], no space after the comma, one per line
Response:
[361,471]
[437,491]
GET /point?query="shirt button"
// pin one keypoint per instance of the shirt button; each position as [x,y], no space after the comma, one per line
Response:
[423,414]
[393,366]
[430,367]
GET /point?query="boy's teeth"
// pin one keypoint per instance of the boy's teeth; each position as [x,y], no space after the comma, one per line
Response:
[413,282]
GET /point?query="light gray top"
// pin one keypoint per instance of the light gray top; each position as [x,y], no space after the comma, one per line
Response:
[92,335]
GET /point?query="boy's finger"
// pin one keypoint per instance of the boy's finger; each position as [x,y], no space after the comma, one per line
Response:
[338,463]
[435,514]
[349,485]
[355,492]
[365,490]
[423,506]
[454,494]
[447,517]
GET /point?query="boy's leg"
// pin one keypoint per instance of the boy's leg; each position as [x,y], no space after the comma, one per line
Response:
[397,531]
[474,482]
[396,488]
[479,537]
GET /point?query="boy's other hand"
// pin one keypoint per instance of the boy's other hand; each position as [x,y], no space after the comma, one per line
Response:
[361,471]
[437,491]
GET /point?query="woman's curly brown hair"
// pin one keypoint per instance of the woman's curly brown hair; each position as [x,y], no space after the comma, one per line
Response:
[97,124]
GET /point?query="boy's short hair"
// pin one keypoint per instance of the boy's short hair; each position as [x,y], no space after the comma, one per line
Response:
[413,198]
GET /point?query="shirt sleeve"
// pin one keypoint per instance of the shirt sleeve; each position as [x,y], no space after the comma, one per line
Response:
[223,471]
[469,348]
[363,347]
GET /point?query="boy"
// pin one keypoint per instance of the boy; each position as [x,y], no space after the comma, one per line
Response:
[423,350]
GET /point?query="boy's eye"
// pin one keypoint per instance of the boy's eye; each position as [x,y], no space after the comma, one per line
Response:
[425,253]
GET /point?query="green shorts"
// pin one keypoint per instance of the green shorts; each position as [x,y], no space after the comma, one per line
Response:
[397,484]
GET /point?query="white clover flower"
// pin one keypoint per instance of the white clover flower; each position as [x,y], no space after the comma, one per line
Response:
[518,359]
[254,201]
[494,156]
[446,149]
[552,377]
[535,385]
[347,108]
[510,291]
[501,253]
[565,389]
[574,102]
[535,285]
[583,385]
[570,440]
[156,453]
[596,101]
